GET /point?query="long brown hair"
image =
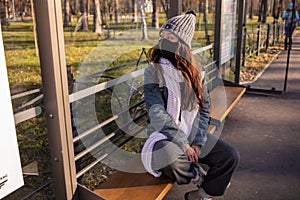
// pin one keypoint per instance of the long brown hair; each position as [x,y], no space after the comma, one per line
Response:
[186,63]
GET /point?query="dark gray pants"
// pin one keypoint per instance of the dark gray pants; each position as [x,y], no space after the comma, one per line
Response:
[288,33]
[221,158]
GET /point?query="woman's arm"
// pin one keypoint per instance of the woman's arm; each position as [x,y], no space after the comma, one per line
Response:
[296,16]
[284,15]
[159,119]
[200,125]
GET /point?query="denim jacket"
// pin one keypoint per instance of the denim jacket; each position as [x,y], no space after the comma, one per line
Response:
[156,95]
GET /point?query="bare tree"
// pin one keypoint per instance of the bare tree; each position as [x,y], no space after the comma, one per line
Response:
[3,13]
[88,10]
[155,19]
[144,23]
[84,16]
[190,5]
[135,10]
[67,14]
[246,10]
[131,7]
[251,10]
[273,6]
[110,9]
[166,6]
[5,5]
[276,9]
[200,11]
[260,11]
[205,12]
[74,7]
[34,30]
[279,9]
[265,11]
[97,17]
[116,12]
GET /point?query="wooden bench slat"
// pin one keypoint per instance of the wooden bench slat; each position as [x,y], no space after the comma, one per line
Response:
[125,185]
[221,107]
[122,185]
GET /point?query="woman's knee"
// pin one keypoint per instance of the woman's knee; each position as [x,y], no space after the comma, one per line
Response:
[233,156]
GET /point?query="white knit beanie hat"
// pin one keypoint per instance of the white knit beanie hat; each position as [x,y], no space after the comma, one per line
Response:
[183,26]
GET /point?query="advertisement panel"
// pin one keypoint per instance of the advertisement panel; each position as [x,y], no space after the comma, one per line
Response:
[228,30]
[11,177]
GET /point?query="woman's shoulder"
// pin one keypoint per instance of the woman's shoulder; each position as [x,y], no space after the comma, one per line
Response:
[150,69]
[152,74]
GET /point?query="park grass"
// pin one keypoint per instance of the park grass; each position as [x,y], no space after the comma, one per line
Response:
[88,53]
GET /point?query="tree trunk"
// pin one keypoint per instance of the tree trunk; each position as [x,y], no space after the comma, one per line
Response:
[103,8]
[116,12]
[34,30]
[135,10]
[97,17]
[130,4]
[88,10]
[84,23]
[274,9]
[67,14]
[6,9]
[155,19]
[279,10]
[167,8]
[144,23]
[131,8]
[14,9]
[199,16]
[74,7]
[265,11]
[205,9]
[251,10]
[110,11]
[260,11]
[246,10]
[200,6]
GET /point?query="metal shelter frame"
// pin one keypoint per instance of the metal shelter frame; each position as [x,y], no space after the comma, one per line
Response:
[289,49]
[55,86]
[56,100]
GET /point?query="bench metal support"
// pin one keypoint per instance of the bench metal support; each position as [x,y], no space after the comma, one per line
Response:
[84,193]
[232,84]
[263,91]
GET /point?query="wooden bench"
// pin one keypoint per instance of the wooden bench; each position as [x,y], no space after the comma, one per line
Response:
[122,185]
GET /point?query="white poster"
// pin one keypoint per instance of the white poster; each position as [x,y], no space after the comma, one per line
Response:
[10,168]
[228,30]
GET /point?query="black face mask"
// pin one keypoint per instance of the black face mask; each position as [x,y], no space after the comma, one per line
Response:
[168,48]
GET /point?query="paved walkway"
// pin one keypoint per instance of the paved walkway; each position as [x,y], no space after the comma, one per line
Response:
[266,131]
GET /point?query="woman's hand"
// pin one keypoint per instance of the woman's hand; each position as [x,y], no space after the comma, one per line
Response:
[190,153]
[197,149]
